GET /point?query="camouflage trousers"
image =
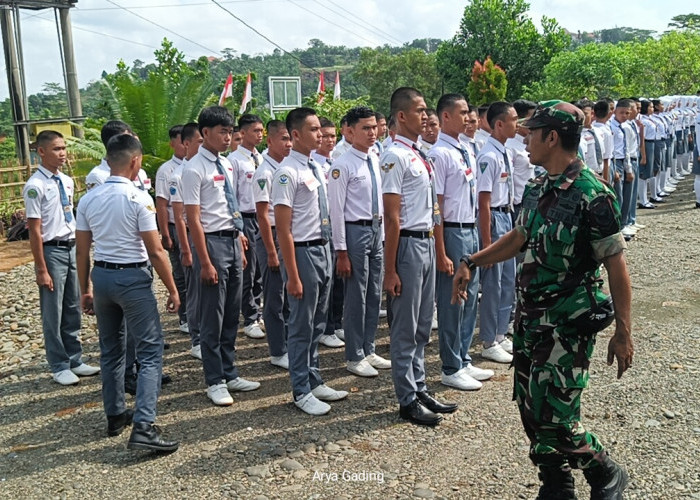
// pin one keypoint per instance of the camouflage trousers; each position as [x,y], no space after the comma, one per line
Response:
[551,371]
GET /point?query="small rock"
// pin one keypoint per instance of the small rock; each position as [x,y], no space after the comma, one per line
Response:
[14,327]
[257,471]
[290,464]
[675,366]
[331,448]
[669,414]
[309,449]
[300,474]
[424,493]
[298,453]
[422,486]
[652,423]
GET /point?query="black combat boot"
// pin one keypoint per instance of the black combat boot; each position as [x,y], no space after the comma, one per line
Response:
[608,480]
[557,484]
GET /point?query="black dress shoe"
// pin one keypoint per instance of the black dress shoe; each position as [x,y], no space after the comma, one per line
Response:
[697,205]
[419,414]
[657,200]
[117,423]
[165,379]
[145,436]
[434,405]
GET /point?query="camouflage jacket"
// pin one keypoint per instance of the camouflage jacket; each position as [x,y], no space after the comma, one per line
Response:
[572,223]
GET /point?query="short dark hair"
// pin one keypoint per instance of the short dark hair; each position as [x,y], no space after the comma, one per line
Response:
[379,116]
[112,128]
[496,112]
[358,113]
[188,131]
[45,137]
[645,106]
[325,122]
[624,103]
[447,102]
[402,98]
[273,126]
[391,122]
[122,148]
[569,142]
[584,103]
[523,107]
[214,116]
[344,120]
[248,119]
[296,118]
[175,131]
[483,109]
[601,109]
[431,112]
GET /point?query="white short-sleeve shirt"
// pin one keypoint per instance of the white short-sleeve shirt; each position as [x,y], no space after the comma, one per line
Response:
[165,171]
[404,173]
[42,200]
[244,168]
[117,231]
[523,170]
[493,176]
[99,174]
[455,179]
[262,185]
[607,144]
[203,185]
[295,185]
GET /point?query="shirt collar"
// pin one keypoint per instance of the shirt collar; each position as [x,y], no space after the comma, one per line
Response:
[568,176]
[245,151]
[406,141]
[303,159]
[500,147]
[46,171]
[118,179]
[176,160]
[208,154]
[271,161]
[449,140]
[358,153]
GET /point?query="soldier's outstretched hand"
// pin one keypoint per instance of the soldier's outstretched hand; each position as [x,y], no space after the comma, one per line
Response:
[622,348]
[459,283]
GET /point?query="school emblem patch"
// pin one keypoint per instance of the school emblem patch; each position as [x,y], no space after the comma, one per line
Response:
[261,183]
[284,179]
[32,193]
[388,166]
[483,166]
[173,190]
[335,173]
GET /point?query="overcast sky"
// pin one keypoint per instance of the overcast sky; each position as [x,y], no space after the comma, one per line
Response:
[105,31]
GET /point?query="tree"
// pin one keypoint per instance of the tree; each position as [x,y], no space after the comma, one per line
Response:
[500,29]
[381,73]
[685,22]
[488,83]
[334,109]
[624,34]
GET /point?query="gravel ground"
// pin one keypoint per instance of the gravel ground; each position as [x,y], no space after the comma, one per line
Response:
[53,440]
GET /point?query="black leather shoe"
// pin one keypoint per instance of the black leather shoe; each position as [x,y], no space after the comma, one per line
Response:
[165,379]
[434,405]
[145,436]
[419,414]
[657,200]
[117,423]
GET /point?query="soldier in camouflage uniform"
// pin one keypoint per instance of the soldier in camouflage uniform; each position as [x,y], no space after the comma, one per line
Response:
[569,225]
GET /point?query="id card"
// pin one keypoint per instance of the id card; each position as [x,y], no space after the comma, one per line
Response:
[312,183]
[503,178]
[219,180]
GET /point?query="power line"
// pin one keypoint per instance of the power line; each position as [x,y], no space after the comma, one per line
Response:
[164,28]
[368,24]
[193,4]
[331,22]
[264,37]
[363,24]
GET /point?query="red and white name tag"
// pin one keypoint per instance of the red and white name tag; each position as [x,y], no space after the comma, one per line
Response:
[147,183]
[504,177]
[219,180]
[469,174]
[312,183]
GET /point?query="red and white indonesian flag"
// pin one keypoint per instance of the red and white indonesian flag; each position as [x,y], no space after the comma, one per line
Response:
[321,87]
[336,88]
[247,96]
[228,89]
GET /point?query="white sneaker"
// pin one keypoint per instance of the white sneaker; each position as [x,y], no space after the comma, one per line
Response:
[507,345]
[480,374]
[254,331]
[331,341]
[638,226]
[362,368]
[340,333]
[434,326]
[460,380]
[382,313]
[66,377]
[628,231]
[239,384]
[218,393]
[669,189]
[84,370]
[184,327]
[196,351]
[325,393]
[378,362]
[497,353]
[281,361]
[311,405]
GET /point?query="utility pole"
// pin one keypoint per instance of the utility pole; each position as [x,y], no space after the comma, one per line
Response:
[71,74]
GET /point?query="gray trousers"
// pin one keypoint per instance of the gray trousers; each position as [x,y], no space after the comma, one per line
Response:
[194,285]
[412,316]
[497,286]
[219,309]
[276,309]
[178,273]
[126,294]
[307,317]
[362,290]
[252,279]
[456,322]
[60,310]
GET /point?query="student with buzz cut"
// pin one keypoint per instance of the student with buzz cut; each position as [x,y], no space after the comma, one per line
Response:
[48,201]
[276,310]
[216,227]
[245,160]
[304,231]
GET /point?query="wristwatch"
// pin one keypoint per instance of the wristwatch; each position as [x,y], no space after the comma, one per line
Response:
[467,259]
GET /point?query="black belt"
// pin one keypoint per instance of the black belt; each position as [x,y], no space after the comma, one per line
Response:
[416,234]
[112,265]
[60,243]
[504,208]
[248,215]
[310,243]
[633,159]
[224,234]
[461,225]
[649,140]
[363,222]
